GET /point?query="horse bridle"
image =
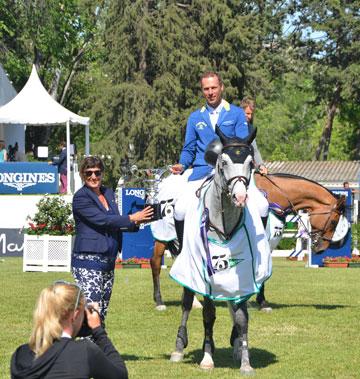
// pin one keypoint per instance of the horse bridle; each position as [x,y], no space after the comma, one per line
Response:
[238,178]
[318,233]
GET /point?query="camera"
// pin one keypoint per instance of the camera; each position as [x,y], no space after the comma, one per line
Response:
[157,211]
[85,330]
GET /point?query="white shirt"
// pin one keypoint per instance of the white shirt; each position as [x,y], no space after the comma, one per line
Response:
[214,113]
[65,335]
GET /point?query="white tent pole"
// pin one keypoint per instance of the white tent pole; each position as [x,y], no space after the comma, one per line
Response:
[87,140]
[68,155]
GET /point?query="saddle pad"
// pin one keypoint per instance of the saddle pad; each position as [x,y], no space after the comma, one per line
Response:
[169,191]
[241,265]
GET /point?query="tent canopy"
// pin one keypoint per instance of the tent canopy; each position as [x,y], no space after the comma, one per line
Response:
[33,105]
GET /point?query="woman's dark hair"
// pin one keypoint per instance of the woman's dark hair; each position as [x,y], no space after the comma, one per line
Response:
[91,162]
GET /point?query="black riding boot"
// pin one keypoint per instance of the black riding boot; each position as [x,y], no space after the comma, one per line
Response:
[179,227]
[264,221]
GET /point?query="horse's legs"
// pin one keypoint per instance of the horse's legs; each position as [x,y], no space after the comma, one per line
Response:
[182,338]
[241,349]
[209,316]
[155,262]
[260,299]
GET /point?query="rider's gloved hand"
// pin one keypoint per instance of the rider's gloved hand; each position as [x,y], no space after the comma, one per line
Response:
[177,168]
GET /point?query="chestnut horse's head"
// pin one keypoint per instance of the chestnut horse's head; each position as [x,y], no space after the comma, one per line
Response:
[328,226]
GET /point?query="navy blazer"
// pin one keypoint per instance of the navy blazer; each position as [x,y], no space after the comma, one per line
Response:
[96,230]
[62,162]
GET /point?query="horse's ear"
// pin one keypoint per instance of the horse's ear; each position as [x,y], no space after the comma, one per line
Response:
[222,136]
[251,136]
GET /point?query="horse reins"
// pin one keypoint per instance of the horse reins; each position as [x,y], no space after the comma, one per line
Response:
[240,178]
[317,233]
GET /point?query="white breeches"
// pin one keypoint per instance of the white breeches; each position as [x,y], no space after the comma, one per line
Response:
[256,198]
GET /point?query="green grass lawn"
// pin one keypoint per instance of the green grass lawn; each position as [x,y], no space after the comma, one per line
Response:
[313,331]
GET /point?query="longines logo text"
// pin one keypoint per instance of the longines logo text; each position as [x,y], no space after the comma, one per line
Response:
[135,192]
[25,179]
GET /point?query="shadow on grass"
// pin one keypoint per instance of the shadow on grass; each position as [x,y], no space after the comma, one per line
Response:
[223,358]
[127,357]
[254,305]
[218,304]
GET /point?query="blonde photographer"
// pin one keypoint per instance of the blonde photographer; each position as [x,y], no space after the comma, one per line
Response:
[53,352]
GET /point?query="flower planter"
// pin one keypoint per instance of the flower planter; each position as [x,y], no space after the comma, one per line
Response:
[47,253]
[354,264]
[131,265]
[336,264]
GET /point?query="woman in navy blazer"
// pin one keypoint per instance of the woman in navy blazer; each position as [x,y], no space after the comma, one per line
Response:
[98,229]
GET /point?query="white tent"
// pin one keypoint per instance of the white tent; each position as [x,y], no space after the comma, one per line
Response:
[34,106]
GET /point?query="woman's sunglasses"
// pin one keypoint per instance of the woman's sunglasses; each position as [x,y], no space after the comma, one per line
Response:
[61,282]
[89,173]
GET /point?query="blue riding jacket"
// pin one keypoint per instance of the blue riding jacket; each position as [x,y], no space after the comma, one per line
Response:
[199,133]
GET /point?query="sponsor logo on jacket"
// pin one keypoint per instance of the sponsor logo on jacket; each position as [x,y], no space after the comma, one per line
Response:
[200,125]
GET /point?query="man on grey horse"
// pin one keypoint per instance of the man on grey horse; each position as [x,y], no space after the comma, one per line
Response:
[200,131]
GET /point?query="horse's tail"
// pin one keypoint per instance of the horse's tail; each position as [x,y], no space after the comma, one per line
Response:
[173,247]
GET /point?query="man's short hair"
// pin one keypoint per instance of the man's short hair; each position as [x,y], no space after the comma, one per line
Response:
[211,74]
[247,102]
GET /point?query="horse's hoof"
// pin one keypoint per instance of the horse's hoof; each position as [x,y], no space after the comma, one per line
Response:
[207,363]
[265,309]
[176,356]
[161,307]
[264,306]
[196,304]
[247,371]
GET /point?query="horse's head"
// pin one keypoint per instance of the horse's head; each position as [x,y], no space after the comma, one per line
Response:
[232,159]
[329,227]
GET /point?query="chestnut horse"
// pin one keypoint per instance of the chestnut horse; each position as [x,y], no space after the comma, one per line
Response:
[289,194]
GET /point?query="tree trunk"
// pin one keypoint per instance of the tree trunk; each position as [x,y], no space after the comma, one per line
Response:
[76,62]
[322,150]
[55,84]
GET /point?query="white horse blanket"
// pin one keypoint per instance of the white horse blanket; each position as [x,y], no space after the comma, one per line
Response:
[176,187]
[170,189]
[240,266]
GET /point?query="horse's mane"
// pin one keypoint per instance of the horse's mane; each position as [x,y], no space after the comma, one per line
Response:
[291,176]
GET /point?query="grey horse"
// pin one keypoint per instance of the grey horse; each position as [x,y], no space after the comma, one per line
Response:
[224,202]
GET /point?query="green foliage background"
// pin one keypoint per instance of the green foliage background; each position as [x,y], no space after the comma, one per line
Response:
[133,67]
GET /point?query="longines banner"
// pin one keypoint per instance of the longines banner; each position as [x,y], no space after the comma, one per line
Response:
[28,178]
[11,243]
